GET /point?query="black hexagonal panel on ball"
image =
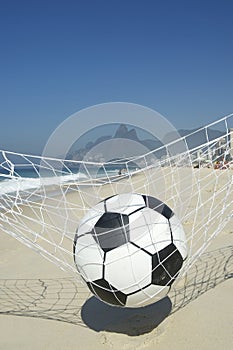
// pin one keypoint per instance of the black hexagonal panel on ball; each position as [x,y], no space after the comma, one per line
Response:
[111,230]
[166,264]
[107,293]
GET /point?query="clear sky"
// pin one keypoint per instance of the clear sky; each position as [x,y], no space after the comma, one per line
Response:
[59,56]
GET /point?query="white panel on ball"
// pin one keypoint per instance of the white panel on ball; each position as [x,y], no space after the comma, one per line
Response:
[125,203]
[89,258]
[150,230]
[147,296]
[128,268]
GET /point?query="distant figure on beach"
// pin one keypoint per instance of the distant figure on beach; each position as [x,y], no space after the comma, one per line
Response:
[122,172]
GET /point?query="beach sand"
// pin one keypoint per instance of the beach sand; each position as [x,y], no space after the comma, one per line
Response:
[43,307]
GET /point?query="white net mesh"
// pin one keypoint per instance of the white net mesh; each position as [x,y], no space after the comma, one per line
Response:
[42,200]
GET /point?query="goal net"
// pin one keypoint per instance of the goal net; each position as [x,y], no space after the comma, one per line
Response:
[42,199]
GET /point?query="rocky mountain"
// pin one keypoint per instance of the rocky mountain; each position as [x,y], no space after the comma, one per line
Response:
[126,132]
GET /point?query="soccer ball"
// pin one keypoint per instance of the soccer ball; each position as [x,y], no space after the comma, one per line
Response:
[129,249]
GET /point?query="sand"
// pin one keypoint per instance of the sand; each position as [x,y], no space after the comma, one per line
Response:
[43,307]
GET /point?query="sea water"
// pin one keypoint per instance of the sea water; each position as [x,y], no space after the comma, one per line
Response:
[26,179]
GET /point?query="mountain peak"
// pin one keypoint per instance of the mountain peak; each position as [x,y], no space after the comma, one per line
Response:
[124,133]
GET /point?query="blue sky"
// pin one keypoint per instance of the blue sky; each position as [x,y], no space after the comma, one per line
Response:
[57,57]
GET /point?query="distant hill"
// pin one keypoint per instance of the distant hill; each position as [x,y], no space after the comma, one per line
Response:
[123,131]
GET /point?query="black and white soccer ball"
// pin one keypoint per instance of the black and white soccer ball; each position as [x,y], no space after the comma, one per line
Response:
[129,249]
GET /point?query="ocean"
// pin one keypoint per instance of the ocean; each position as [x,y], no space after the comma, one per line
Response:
[26,179]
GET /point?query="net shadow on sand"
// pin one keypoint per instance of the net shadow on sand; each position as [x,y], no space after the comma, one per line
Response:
[67,300]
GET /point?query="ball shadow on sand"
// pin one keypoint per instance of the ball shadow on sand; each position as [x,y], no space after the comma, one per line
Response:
[131,321]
